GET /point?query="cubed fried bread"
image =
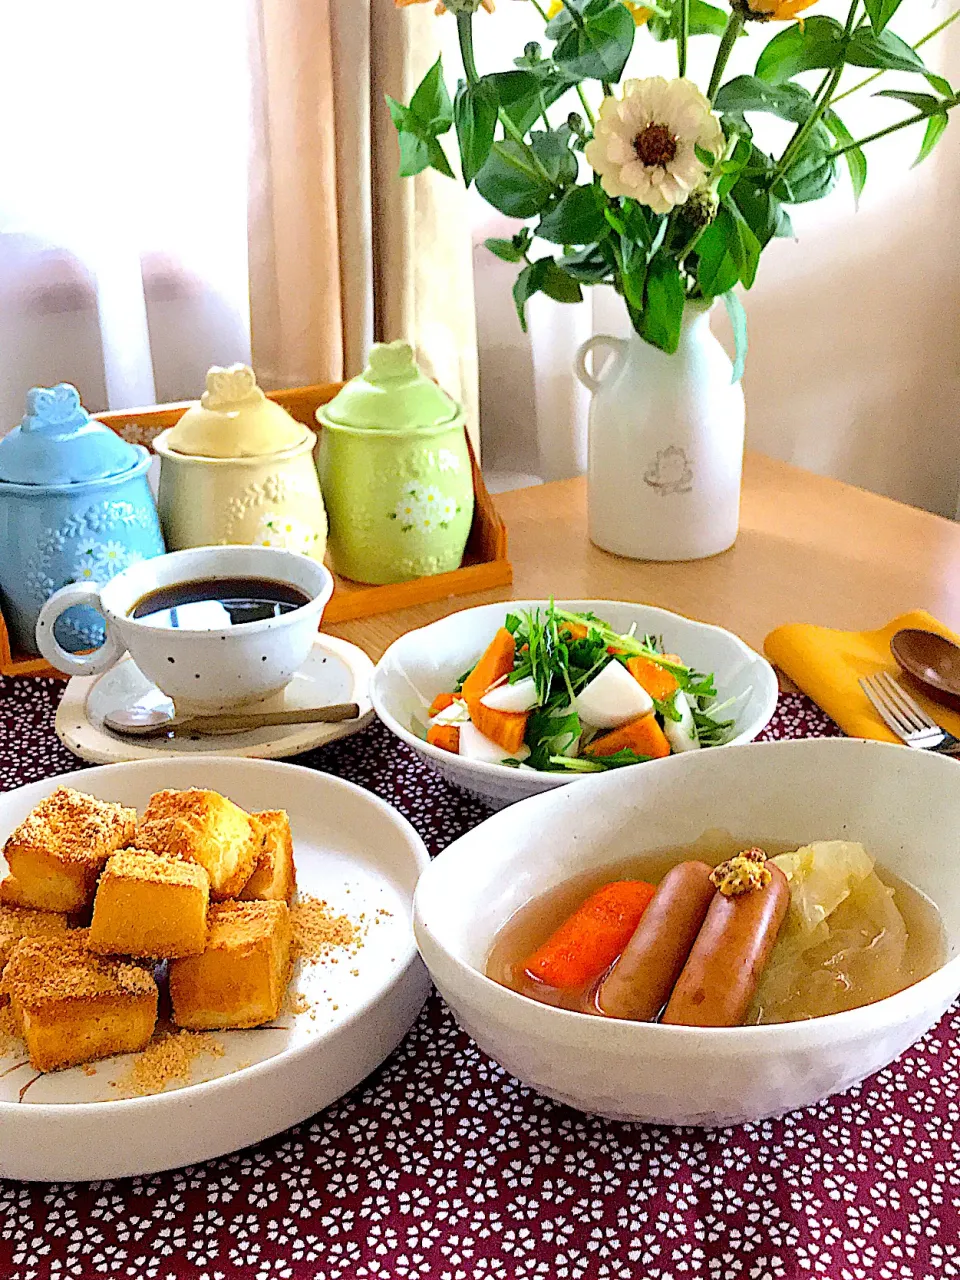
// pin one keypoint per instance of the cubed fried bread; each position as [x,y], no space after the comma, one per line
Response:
[56,854]
[204,827]
[71,1006]
[23,922]
[241,977]
[150,905]
[274,877]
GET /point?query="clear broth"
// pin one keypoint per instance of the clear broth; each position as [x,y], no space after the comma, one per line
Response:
[529,928]
[216,604]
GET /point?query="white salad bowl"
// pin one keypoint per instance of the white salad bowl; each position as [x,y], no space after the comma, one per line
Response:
[428,661]
[904,806]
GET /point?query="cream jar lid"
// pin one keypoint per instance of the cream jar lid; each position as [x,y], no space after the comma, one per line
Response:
[234,419]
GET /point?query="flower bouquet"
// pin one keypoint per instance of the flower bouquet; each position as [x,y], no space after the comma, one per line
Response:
[673,199]
[662,189]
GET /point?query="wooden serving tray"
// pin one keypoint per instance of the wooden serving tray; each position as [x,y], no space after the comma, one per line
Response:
[485,562]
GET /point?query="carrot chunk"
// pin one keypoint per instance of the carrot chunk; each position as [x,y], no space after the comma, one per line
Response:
[644,736]
[588,942]
[505,728]
[441,702]
[495,662]
[576,630]
[446,736]
[657,680]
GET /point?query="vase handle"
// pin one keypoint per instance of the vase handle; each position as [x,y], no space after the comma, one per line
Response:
[618,346]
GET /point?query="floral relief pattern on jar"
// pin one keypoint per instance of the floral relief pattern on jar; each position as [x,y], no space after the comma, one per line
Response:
[670,471]
[276,529]
[426,509]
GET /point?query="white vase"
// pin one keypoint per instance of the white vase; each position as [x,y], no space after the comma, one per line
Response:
[665,445]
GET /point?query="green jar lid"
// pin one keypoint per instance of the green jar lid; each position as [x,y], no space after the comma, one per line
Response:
[390,395]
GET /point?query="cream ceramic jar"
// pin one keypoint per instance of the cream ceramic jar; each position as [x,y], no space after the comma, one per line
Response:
[238,469]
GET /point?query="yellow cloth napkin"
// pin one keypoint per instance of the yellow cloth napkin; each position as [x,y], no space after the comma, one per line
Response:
[827,665]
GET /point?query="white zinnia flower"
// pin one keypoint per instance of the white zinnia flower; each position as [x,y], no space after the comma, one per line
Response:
[643,143]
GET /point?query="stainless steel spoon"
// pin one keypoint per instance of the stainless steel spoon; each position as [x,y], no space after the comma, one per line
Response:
[154,722]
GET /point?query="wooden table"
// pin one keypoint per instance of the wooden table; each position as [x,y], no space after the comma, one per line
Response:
[810,550]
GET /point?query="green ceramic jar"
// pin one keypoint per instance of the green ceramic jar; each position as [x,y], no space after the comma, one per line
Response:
[395,473]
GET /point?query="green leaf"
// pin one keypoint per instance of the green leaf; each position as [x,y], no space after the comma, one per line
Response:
[815,44]
[504,249]
[704,20]
[522,94]
[438,158]
[663,306]
[759,208]
[813,174]
[599,48]
[717,270]
[633,273]
[885,51]
[935,127]
[414,154]
[855,157]
[744,248]
[880,12]
[543,276]
[738,321]
[509,182]
[589,265]
[431,102]
[577,218]
[749,93]
[475,116]
[552,149]
[922,101]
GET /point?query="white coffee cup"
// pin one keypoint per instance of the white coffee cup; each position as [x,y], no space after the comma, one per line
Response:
[204,672]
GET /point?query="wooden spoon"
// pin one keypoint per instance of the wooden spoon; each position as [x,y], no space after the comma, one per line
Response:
[152,722]
[931,660]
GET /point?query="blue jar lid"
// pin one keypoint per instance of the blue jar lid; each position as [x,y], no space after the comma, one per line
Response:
[57,443]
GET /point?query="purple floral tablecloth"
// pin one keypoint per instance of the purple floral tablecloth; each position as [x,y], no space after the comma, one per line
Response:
[441,1165]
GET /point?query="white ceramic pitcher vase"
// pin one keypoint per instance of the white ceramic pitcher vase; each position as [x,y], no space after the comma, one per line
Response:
[665,445]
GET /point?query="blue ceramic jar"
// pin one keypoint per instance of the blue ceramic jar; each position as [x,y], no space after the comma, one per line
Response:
[75,506]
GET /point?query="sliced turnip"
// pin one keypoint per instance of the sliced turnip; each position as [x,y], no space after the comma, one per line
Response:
[612,698]
[521,696]
[476,746]
[682,733]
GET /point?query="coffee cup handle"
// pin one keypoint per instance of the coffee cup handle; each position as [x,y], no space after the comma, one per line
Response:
[76,664]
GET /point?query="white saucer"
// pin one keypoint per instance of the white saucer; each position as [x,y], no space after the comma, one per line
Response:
[335,672]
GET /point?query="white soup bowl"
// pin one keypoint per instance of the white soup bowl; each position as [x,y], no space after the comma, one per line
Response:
[904,806]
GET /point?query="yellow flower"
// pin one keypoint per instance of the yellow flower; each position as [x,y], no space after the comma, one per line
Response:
[775,10]
[639,14]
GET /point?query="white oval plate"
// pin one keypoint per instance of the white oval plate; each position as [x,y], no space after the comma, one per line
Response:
[336,671]
[351,849]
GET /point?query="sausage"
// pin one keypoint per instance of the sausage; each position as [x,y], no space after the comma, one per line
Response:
[639,984]
[731,951]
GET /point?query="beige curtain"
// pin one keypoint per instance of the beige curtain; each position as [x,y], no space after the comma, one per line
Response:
[342,251]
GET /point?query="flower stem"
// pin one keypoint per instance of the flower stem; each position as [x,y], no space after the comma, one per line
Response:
[922,41]
[729,38]
[683,34]
[465,34]
[821,101]
[948,105]
[586,105]
[542,12]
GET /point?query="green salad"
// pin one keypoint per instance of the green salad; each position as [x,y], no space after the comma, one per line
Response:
[564,692]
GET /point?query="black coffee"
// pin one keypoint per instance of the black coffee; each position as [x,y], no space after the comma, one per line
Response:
[213,604]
